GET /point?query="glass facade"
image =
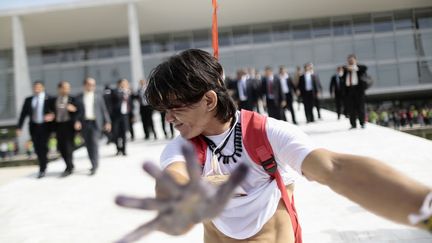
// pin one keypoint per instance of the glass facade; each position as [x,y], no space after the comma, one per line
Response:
[106,61]
[396,46]
[7,98]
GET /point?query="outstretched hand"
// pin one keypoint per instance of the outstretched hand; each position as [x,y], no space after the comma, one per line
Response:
[183,205]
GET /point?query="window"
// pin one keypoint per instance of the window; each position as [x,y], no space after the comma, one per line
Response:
[50,56]
[301,31]
[342,27]
[321,28]
[122,48]
[424,18]
[425,44]
[405,45]
[323,52]
[385,47]
[364,48]
[7,94]
[425,71]
[261,34]
[362,24]
[146,46]
[201,39]
[403,20]
[241,35]
[383,23]
[182,42]
[388,75]
[281,32]
[225,38]
[408,73]
[342,48]
[161,43]
[105,51]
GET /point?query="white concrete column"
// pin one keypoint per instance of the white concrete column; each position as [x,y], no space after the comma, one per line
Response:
[137,70]
[22,84]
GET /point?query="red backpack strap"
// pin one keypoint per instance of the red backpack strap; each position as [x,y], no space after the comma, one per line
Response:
[258,147]
[200,149]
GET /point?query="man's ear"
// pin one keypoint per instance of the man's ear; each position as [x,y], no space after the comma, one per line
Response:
[211,100]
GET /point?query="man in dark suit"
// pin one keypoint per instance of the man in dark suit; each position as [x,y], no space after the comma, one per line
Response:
[64,110]
[245,91]
[146,111]
[93,119]
[288,90]
[336,89]
[36,107]
[271,89]
[354,89]
[309,91]
[122,107]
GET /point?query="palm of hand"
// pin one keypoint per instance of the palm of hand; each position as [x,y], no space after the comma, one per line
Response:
[182,206]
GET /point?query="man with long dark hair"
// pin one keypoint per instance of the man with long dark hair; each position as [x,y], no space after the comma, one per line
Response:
[229,145]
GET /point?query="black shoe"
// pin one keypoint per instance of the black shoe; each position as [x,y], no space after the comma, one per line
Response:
[66,173]
[118,152]
[351,128]
[41,174]
[363,126]
[124,153]
[92,171]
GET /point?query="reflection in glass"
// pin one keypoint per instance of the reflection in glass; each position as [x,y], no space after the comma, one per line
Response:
[301,31]
[424,18]
[362,24]
[364,48]
[201,39]
[342,27]
[261,34]
[388,75]
[408,73]
[383,23]
[225,38]
[403,20]
[321,28]
[241,35]
[385,47]
[281,32]
[182,42]
[405,45]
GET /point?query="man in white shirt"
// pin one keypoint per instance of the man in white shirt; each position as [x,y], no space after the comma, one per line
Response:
[92,120]
[35,107]
[199,106]
[355,90]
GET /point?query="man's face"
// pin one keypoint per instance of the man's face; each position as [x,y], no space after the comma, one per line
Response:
[90,85]
[64,90]
[38,88]
[191,120]
[351,61]
[308,68]
[124,84]
[268,73]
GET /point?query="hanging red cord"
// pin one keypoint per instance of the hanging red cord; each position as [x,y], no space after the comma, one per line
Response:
[215,38]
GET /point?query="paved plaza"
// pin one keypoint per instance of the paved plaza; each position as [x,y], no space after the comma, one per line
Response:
[81,208]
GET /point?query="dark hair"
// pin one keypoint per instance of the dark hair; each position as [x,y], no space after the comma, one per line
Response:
[61,83]
[183,79]
[86,80]
[352,56]
[38,82]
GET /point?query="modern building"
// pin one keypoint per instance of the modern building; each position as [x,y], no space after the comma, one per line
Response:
[109,39]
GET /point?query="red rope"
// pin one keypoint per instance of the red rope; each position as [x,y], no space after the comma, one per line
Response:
[215,38]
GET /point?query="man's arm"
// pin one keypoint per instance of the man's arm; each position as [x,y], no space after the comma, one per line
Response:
[368,182]
[24,114]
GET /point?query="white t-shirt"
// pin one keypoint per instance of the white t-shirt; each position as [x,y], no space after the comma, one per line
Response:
[244,216]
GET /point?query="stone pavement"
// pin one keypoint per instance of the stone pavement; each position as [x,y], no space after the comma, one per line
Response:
[81,208]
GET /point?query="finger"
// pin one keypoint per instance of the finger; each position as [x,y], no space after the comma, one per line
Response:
[226,190]
[141,203]
[141,231]
[165,184]
[153,170]
[192,166]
